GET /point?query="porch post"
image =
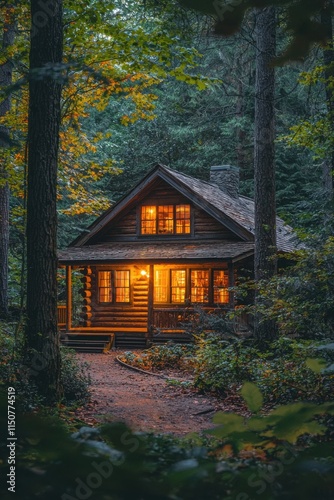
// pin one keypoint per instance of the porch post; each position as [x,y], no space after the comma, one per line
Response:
[231,282]
[68,297]
[150,302]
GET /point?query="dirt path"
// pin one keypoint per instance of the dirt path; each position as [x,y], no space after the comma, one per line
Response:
[144,402]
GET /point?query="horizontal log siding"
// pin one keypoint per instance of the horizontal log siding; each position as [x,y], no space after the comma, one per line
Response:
[124,228]
[132,315]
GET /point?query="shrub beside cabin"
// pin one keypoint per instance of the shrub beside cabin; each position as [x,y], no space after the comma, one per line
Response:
[172,242]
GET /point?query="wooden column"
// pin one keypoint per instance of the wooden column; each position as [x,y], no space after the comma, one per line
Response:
[68,297]
[231,283]
[150,302]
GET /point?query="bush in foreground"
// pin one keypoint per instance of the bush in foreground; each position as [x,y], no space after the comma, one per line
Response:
[286,372]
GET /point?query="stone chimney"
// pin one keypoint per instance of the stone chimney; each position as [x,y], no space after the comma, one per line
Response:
[226,178]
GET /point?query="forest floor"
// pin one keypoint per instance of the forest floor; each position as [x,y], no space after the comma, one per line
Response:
[146,402]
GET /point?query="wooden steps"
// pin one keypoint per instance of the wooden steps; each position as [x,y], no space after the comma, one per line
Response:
[88,343]
[99,342]
[130,340]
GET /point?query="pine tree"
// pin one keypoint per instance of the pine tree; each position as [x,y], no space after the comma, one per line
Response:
[5,80]
[42,343]
[264,158]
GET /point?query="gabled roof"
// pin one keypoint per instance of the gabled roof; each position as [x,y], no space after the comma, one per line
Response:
[206,196]
[237,214]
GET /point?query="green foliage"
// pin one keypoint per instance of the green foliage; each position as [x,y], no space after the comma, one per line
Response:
[283,373]
[284,423]
[117,464]
[219,322]
[74,373]
[75,377]
[8,348]
[301,20]
[190,128]
[253,397]
[161,357]
[301,299]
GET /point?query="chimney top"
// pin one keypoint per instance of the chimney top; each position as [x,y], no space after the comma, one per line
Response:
[226,177]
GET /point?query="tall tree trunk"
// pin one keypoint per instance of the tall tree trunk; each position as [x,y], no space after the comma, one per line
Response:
[264,159]
[328,58]
[5,80]
[42,342]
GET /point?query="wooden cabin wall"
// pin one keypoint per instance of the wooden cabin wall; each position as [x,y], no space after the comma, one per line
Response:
[124,229]
[206,227]
[125,317]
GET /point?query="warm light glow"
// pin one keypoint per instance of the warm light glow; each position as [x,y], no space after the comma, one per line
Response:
[144,273]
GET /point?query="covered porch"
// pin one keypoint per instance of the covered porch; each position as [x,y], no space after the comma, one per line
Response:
[142,299]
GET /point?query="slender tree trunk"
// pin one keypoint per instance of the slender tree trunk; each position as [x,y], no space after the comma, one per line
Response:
[328,58]
[42,342]
[5,80]
[264,159]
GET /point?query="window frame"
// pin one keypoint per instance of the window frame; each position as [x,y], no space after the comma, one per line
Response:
[157,204]
[113,288]
[188,286]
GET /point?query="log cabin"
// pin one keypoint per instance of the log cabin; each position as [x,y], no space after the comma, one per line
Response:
[171,243]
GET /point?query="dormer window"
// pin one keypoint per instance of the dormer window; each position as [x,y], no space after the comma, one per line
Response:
[165,219]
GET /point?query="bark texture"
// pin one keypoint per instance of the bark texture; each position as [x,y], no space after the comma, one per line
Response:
[264,157]
[6,70]
[42,342]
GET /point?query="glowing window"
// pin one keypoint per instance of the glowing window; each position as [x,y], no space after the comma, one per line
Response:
[200,286]
[161,285]
[165,219]
[182,213]
[114,286]
[105,288]
[122,286]
[148,220]
[178,286]
[220,287]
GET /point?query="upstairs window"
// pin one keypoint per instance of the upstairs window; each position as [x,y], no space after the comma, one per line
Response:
[165,219]
[114,286]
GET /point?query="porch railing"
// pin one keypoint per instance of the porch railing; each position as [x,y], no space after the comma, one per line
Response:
[61,315]
[169,319]
[180,319]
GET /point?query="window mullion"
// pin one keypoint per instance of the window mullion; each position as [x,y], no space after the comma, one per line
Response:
[156,219]
[112,286]
[169,286]
[211,285]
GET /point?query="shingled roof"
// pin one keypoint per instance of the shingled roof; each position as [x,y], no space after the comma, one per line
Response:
[150,252]
[235,213]
[241,209]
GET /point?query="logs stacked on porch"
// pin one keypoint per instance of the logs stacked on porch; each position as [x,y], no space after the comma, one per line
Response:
[87,294]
